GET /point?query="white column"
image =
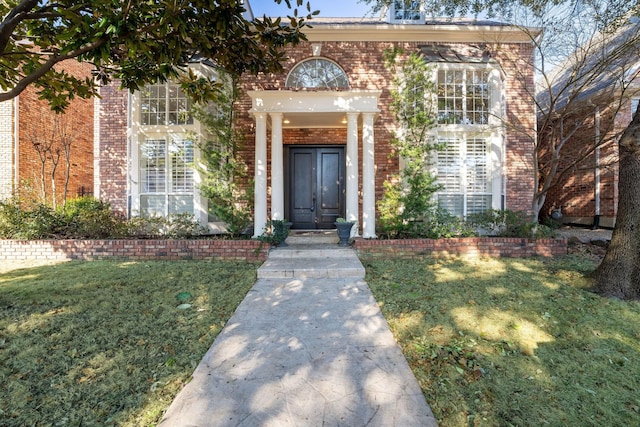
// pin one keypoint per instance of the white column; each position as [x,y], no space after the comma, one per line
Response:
[260,178]
[277,168]
[368,178]
[352,169]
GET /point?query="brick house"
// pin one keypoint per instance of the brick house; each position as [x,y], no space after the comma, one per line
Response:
[317,135]
[28,127]
[600,105]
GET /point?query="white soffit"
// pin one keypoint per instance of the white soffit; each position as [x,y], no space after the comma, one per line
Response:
[288,101]
[420,33]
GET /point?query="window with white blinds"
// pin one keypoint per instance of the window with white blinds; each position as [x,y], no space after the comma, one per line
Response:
[166,175]
[462,168]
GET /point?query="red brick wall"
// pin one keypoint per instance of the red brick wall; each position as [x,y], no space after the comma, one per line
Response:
[112,147]
[467,246]
[257,251]
[133,249]
[363,63]
[36,126]
[516,61]
[574,191]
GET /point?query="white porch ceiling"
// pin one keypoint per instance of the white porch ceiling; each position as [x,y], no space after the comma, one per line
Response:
[314,120]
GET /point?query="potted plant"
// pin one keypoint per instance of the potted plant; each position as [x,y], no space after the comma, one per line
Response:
[344,230]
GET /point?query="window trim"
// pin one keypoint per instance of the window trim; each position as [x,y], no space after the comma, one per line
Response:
[393,20]
[496,111]
[316,58]
[494,131]
[138,133]
[494,161]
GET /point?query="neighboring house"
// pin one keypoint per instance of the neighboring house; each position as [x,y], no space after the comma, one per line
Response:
[31,134]
[595,93]
[317,135]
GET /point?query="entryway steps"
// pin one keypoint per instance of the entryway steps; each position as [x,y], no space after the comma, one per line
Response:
[299,237]
[312,259]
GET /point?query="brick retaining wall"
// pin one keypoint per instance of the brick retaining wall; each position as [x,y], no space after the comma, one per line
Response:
[250,250]
[253,250]
[474,246]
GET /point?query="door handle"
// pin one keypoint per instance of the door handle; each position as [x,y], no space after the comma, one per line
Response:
[313,203]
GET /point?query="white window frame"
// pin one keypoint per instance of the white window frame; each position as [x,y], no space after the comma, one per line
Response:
[392,13]
[493,132]
[465,163]
[138,134]
[170,188]
[320,60]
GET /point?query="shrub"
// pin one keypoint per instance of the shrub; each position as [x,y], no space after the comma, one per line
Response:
[442,224]
[90,218]
[38,222]
[437,223]
[275,231]
[11,218]
[507,223]
[175,226]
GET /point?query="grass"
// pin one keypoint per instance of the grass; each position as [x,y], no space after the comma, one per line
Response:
[104,343]
[493,342]
[513,342]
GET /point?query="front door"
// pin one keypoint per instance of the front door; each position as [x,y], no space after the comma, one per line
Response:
[316,186]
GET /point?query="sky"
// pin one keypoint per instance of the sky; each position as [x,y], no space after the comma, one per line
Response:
[327,8]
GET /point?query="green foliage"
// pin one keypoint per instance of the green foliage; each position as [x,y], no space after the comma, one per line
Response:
[223,170]
[37,222]
[408,199]
[174,226]
[88,218]
[137,42]
[441,224]
[507,223]
[604,12]
[275,231]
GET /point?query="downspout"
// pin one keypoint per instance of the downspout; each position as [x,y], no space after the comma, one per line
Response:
[596,217]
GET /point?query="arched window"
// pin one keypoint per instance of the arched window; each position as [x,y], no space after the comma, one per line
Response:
[317,73]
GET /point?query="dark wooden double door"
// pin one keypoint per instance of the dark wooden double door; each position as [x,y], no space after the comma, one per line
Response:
[316,186]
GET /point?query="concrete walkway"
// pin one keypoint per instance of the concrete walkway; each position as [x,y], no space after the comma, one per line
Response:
[308,346]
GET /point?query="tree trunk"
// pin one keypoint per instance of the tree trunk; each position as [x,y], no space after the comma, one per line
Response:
[618,275]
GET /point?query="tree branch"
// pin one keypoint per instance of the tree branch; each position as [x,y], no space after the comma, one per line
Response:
[46,67]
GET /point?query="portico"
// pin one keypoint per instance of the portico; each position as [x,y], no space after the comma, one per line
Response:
[354,109]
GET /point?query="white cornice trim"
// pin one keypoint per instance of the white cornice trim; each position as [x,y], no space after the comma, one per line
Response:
[421,33]
[321,101]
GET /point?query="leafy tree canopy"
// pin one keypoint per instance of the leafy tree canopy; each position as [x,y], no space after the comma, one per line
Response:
[138,42]
[606,11]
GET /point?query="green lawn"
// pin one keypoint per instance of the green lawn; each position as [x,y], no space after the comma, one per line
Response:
[495,342]
[104,343]
[513,342]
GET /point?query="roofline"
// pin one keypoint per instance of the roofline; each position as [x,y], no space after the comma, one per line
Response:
[420,33]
